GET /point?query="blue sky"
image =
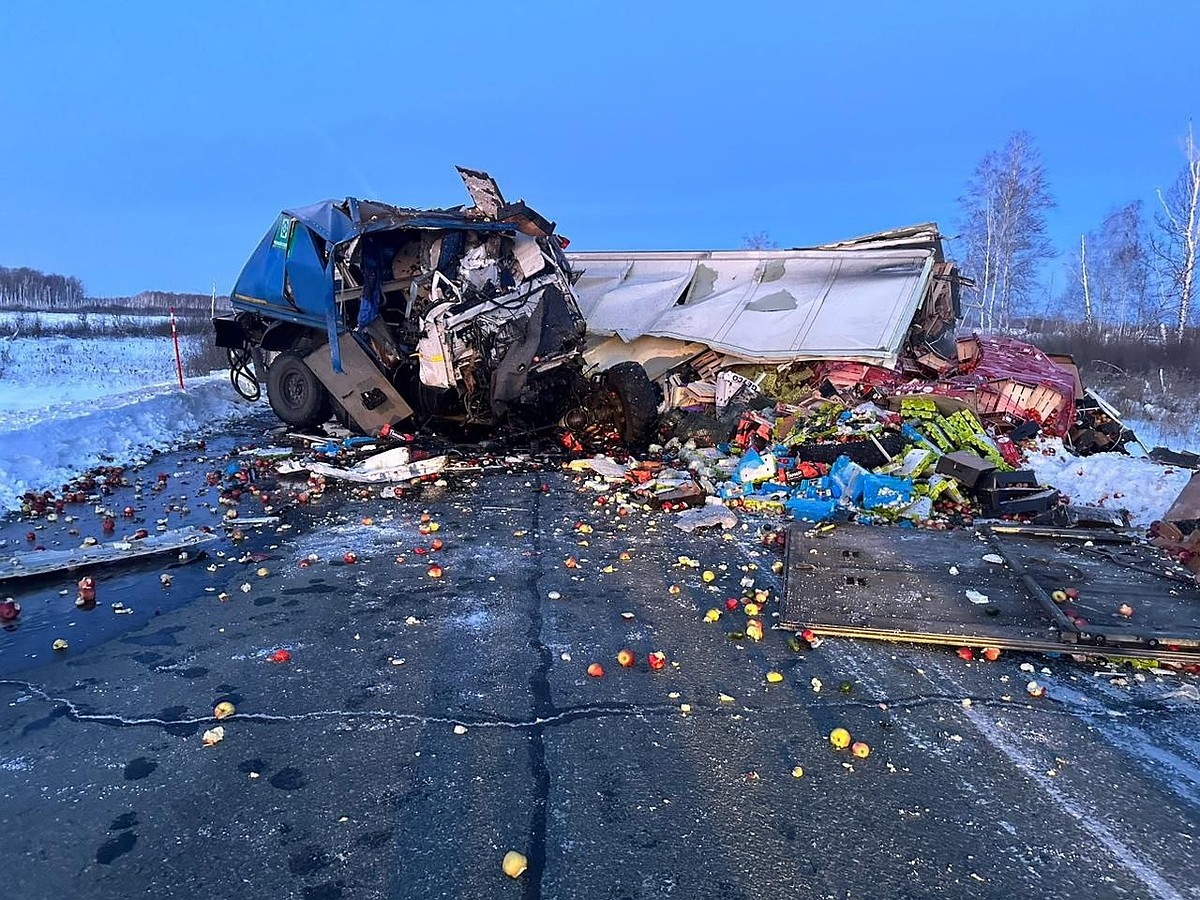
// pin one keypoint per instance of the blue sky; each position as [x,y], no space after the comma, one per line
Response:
[149,145]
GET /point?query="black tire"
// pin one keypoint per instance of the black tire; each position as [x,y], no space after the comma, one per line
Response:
[639,398]
[295,393]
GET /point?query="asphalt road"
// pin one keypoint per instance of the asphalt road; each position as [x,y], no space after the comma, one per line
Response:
[425,726]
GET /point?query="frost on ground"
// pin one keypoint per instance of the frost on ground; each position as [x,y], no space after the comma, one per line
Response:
[68,406]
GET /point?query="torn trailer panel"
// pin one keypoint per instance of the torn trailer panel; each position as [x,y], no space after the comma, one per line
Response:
[952,588]
[860,300]
[760,306]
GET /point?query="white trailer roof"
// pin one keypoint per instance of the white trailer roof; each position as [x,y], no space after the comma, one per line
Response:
[762,305]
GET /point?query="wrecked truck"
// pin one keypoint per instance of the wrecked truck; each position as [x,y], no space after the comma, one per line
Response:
[462,318]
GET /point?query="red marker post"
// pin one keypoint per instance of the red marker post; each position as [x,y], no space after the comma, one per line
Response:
[178,358]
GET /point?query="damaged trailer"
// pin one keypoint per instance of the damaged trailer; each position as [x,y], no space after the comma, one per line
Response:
[463,317]
[877,300]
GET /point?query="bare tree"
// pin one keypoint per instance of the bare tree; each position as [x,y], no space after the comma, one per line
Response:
[1004,226]
[1177,234]
[758,240]
[1110,277]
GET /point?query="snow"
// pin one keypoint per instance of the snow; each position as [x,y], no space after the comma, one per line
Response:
[70,405]
[1111,480]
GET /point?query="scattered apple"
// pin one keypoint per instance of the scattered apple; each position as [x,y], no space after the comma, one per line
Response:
[349,557]
[1059,596]
[9,610]
[860,749]
[224,709]
[435,571]
[596,670]
[436,544]
[754,630]
[657,660]
[731,604]
[709,576]
[712,615]
[840,738]
[966,653]
[1125,610]
[514,864]
[991,654]
[626,659]
[279,656]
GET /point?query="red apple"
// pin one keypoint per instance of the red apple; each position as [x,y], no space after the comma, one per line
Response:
[966,653]
[657,660]
[435,571]
[279,656]
[626,659]
[991,654]
[596,670]
[349,557]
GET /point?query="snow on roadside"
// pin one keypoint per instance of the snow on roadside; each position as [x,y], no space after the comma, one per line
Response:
[47,448]
[1111,480]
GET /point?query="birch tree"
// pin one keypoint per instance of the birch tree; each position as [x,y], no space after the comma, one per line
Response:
[1177,235]
[1110,277]
[1003,223]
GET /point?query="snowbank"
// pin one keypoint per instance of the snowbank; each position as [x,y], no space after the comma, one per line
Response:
[38,373]
[1111,480]
[48,446]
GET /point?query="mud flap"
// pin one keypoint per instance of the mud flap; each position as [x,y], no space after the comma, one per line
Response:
[367,396]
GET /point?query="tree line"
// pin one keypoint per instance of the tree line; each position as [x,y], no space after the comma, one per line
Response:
[29,290]
[24,288]
[1132,273]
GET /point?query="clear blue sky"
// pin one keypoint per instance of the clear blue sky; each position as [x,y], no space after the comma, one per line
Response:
[149,145]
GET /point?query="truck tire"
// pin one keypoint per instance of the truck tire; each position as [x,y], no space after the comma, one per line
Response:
[638,400]
[295,393]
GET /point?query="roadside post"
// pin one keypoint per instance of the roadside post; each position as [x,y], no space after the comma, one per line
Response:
[178,359]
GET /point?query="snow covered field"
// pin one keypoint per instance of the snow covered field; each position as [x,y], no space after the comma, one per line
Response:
[70,405]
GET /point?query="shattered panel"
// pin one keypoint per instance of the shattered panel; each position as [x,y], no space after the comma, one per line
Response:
[762,306]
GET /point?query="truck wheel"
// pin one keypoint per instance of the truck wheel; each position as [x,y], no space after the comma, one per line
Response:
[295,393]
[637,406]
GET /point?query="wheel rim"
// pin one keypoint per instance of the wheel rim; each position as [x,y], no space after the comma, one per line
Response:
[295,389]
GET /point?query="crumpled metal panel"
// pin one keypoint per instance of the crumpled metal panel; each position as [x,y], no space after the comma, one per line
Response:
[767,306]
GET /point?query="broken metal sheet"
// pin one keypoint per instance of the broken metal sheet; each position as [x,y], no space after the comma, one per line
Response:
[397,468]
[484,191]
[657,356]
[912,585]
[44,562]
[762,306]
